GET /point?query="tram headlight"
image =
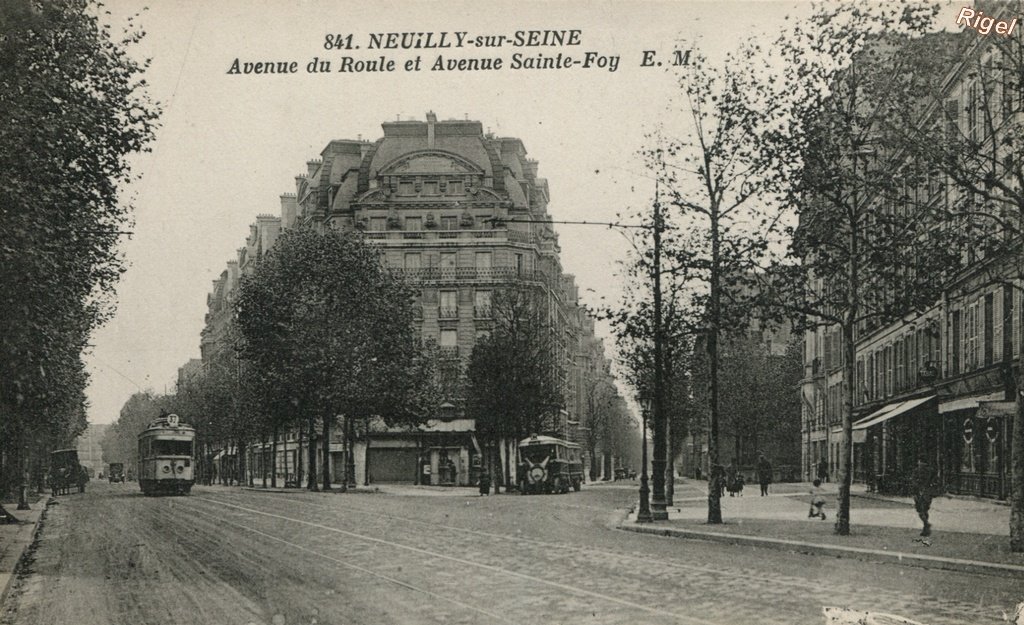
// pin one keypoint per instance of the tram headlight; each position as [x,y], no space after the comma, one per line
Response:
[167,469]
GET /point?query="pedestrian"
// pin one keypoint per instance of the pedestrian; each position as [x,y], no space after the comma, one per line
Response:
[823,470]
[817,501]
[764,474]
[485,483]
[730,477]
[925,485]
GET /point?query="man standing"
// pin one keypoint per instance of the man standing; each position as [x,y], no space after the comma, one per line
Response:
[924,483]
[823,470]
[764,474]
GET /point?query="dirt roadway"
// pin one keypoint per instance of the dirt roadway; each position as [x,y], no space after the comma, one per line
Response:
[113,557]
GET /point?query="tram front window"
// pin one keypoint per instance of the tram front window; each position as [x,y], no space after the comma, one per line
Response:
[537,453]
[172,448]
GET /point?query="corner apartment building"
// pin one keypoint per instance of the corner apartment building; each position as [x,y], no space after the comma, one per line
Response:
[461,214]
[940,384]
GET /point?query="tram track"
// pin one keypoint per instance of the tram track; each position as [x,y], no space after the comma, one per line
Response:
[528,580]
[709,582]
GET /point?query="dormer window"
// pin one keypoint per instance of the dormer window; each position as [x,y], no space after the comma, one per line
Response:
[430,188]
[405,187]
[455,187]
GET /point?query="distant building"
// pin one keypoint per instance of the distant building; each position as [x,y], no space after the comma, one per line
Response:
[90,453]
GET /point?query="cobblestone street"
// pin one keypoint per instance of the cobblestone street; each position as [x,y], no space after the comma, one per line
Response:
[407,555]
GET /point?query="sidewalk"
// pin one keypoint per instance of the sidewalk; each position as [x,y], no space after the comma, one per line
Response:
[967,535]
[404,490]
[15,538]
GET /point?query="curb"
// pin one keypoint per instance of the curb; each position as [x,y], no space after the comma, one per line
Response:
[895,557]
[19,562]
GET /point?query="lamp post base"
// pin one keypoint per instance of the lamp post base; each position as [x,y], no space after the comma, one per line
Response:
[643,514]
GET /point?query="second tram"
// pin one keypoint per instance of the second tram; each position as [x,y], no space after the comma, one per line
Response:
[165,457]
[549,465]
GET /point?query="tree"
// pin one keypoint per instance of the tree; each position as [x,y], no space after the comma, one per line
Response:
[514,375]
[72,109]
[758,403]
[711,183]
[327,327]
[867,251]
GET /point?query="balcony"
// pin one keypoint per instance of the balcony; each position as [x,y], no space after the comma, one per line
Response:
[448,352]
[448,312]
[482,312]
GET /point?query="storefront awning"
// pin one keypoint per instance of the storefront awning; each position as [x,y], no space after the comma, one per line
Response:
[890,411]
[967,403]
[987,409]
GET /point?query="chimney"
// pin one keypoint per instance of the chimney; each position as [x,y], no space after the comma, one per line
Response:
[431,120]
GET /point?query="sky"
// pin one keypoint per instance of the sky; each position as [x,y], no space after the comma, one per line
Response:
[230,144]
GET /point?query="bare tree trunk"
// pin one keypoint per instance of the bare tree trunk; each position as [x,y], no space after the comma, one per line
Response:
[263,458]
[326,449]
[273,459]
[714,471]
[299,465]
[350,456]
[1017,474]
[241,463]
[311,445]
[508,452]
[845,442]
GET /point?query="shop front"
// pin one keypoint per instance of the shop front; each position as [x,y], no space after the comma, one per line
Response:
[977,435]
[889,441]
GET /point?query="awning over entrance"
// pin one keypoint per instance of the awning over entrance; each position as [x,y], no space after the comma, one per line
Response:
[966,403]
[987,409]
[890,411]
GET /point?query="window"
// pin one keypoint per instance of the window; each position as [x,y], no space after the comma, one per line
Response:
[172,448]
[412,260]
[483,260]
[378,223]
[448,260]
[455,187]
[448,299]
[519,264]
[430,188]
[406,188]
[414,223]
[482,305]
[449,222]
[482,299]
[449,338]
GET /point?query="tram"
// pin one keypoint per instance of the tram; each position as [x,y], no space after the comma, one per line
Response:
[165,457]
[549,465]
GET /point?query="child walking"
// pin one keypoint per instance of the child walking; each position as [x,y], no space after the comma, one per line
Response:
[817,501]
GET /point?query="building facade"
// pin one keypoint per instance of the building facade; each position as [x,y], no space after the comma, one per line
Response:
[461,214]
[939,385]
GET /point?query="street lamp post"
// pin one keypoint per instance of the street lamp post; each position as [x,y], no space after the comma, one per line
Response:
[659,510]
[643,514]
